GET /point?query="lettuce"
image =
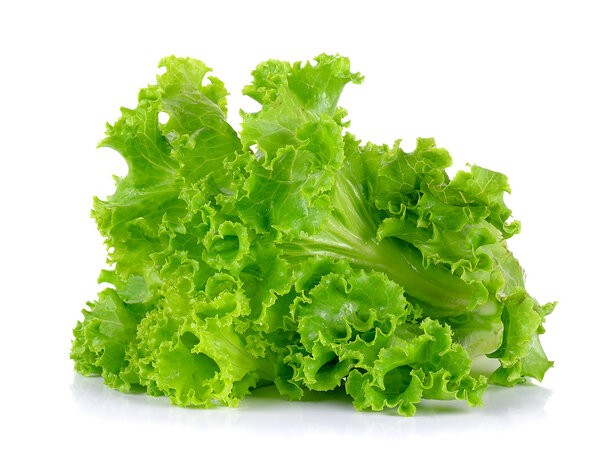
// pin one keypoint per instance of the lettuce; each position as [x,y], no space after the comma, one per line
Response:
[293,254]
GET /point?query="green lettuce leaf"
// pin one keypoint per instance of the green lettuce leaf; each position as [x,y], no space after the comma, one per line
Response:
[293,254]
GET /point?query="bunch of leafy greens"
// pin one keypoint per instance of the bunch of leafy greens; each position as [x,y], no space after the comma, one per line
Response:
[293,254]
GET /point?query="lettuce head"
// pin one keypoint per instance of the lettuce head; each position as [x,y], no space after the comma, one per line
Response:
[291,253]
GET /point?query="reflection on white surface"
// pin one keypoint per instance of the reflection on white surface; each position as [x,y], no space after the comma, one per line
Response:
[265,411]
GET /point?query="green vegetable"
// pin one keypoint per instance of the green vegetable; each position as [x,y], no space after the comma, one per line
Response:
[293,254]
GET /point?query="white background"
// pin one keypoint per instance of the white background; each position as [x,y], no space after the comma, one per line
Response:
[512,86]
